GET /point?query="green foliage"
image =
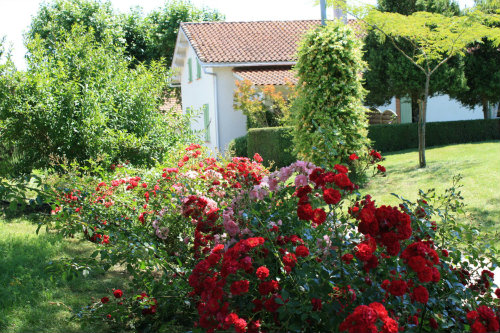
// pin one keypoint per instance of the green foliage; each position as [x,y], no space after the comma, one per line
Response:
[482,69]
[404,136]
[328,116]
[264,106]
[273,144]
[83,102]
[407,7]
[238,146]
[390,74]
[145,38]
[164,25]
[56,18]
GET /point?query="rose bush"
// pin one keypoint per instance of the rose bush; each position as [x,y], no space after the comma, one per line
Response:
[227,245]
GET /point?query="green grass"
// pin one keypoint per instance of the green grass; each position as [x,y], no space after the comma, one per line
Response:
[478,163]
[30,301]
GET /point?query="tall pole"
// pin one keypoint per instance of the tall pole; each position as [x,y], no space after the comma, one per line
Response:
[322,4]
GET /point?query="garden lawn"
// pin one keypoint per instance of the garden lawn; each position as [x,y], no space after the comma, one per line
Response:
[478,163]
[31,298]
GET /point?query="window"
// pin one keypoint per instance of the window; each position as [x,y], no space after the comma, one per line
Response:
[206,118]
[190,68]
[198,70]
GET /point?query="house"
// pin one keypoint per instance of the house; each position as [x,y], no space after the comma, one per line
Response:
[210,56]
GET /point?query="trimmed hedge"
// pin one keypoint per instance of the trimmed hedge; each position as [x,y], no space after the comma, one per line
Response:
[238,146]
[404,136]
[275,143]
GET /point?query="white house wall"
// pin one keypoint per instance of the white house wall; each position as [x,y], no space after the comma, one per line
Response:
[232,124]
[442,108]
[197,93]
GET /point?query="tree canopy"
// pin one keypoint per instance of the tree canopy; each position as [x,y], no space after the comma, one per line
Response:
[144,37]
[390,74]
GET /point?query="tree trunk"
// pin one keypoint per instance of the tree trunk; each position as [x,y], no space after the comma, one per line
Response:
[486,111]
[421,124]
[415,108]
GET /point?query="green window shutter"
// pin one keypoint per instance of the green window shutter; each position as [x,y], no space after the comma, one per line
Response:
[206,117]
[190,68]
[198,70]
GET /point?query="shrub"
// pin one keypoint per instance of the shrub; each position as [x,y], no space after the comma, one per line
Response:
[83,102]
[238,146]
[328,116]
[274,144]
[264,107]
[404,136]
[256,251]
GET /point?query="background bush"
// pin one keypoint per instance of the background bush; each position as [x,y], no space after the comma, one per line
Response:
[274,144]
[404,136]
[82,101]
[238,146]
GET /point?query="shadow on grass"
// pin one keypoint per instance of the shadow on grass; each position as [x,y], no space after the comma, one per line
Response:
[31,300]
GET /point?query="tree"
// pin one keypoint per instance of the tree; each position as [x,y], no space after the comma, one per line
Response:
[55,19]
[145,38]
[390,74]
[164,24]
[482,69]
[328,117]
[435,39]
[81,100]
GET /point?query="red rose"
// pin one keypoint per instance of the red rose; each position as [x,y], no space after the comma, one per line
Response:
[477,327]
[104,300]
[262,272]
[390,326]
[239,287]
[341,180]
[341,168]
[331,196]
[433,323]
[353,157]
[289,259]
[420,294]
[497,292]
[302,251]
[381,168]
[257,158]
[398,287]
[316,304]
[240,325]
[305,212]
[319,216]
[472,315]
[347,258]
[118,293]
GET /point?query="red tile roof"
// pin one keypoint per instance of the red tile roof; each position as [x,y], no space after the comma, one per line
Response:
[261,76]
[243,42]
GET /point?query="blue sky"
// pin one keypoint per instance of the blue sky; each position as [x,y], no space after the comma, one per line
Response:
[15,15]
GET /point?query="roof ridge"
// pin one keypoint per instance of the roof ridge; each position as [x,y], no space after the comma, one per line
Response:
[259,21]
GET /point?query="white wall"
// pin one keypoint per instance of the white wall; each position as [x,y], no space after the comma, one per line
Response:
[232,124]
[442,108]
[197,93]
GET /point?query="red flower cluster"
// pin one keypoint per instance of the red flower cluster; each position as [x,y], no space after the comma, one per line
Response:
[365,318]
[209,279]
[421,258]
[483,320]
[386,224]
